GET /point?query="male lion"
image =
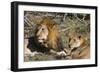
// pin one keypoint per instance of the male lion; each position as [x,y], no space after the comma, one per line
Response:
[47,36]
[80,48]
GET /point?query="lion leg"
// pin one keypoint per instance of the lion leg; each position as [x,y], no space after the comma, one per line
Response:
[61,53]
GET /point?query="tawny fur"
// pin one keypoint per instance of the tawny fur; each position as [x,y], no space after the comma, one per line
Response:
[80,47]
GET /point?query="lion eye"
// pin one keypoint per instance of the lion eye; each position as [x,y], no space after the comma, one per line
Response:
[43,29]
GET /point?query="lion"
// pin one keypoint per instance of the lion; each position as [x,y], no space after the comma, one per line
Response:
[80,48]
[47,36]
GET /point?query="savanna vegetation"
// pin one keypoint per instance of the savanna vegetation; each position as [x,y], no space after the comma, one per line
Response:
[68,23]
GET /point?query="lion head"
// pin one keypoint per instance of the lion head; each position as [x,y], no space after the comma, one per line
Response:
[75,41]
[47,34]
[79,45]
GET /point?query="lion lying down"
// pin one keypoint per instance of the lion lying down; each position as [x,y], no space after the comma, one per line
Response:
[46,38]
[80,48]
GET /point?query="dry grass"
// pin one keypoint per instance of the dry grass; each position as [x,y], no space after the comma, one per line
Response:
[68,23]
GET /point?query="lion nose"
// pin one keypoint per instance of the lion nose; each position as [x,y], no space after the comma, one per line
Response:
[38,33]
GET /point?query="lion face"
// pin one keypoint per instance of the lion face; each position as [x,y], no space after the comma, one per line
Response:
[42,34]
[75,41]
